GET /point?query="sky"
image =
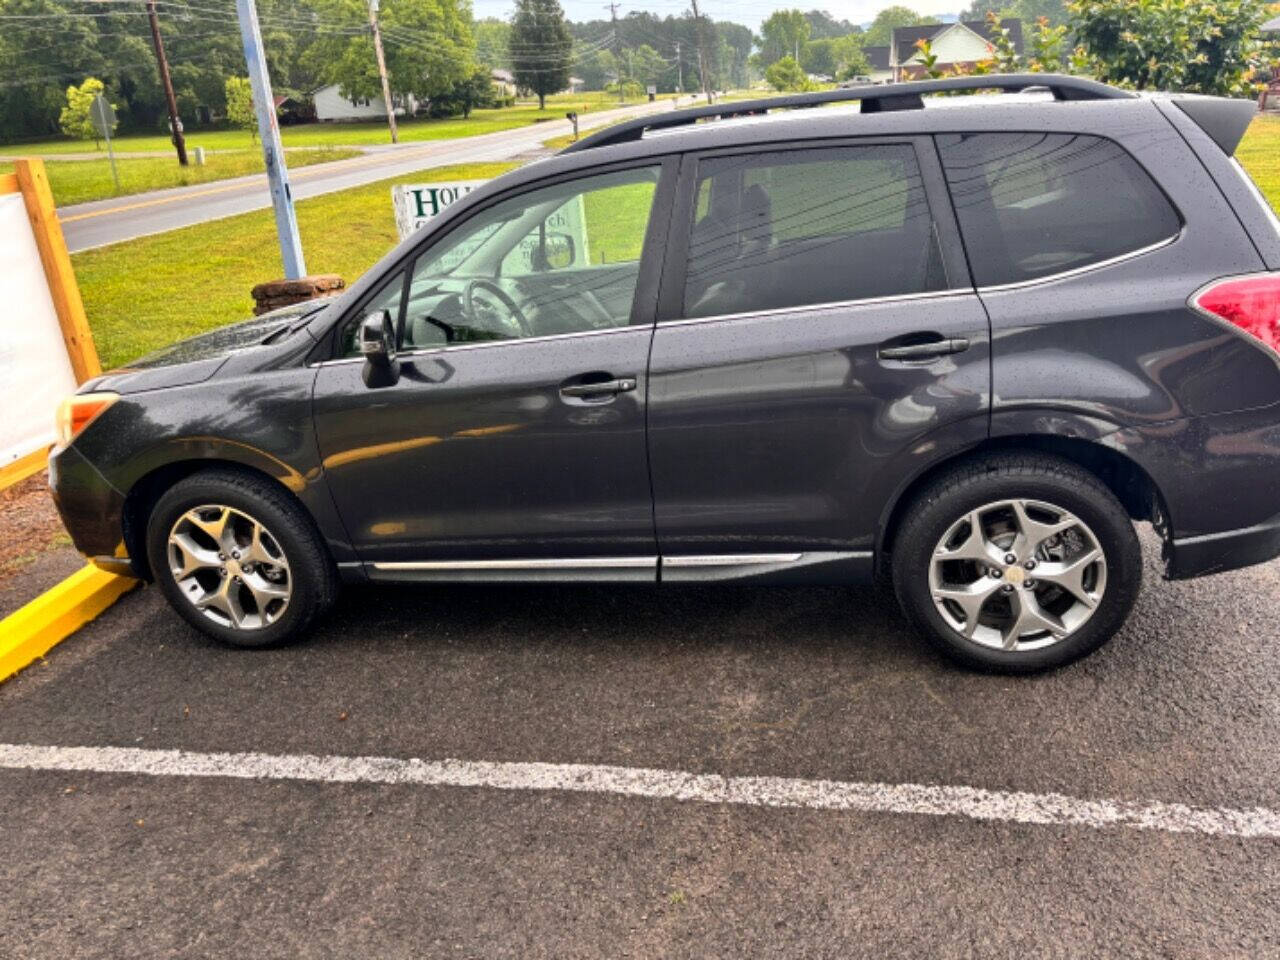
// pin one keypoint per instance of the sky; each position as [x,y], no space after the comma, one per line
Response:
[747,12]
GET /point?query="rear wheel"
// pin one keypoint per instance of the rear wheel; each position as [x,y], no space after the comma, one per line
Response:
[239,559]
[1017,563]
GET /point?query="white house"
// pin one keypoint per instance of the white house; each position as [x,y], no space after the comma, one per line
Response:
[503,82]
[955,45]
[332,105]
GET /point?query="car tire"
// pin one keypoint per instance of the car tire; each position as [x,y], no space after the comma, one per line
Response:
[1089,573]
[280,579]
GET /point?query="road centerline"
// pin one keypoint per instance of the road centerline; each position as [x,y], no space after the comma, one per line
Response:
[973,803]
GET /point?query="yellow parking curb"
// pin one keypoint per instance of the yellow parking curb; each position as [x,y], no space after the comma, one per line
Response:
[53,616]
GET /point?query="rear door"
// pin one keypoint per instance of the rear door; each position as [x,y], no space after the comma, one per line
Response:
[819,342]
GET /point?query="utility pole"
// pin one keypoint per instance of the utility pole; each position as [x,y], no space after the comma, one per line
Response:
[702,59]
[679,70]
[382,70]
[174,122]
[617,45]
[269,133]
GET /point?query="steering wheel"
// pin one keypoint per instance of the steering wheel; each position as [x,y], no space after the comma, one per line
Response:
[484,316]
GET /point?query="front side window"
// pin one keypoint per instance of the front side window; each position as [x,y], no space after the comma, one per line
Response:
[789,228]
[556,260]
[1034,204]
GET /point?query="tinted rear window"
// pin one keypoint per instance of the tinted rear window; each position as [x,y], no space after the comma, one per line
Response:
[1034,204]
[792,228]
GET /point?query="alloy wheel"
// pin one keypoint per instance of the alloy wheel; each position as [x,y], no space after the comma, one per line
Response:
[230,567]
[1017,575]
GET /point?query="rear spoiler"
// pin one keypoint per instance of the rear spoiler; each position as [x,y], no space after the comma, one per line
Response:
[1225,121]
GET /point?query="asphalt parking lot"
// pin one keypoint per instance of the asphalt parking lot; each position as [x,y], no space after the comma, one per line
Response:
[812,684]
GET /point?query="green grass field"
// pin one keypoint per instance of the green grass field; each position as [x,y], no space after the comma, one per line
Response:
[344,134]
[145,293]
[1259,153]
[77,181]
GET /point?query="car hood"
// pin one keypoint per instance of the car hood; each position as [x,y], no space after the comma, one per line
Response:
[199,358]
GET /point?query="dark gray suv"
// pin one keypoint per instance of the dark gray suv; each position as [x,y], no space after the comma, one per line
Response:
[962,343]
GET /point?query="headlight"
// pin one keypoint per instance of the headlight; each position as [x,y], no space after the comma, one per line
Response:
[78,411]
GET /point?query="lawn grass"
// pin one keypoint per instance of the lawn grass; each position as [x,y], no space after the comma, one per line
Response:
[348,134]
[1259,153]
[77,181]
[143,294]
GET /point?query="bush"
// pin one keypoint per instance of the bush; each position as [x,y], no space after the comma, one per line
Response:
[1169,44]
[786,76]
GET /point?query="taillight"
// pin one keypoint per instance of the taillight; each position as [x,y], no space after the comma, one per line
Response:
[1251,303]
[78,411]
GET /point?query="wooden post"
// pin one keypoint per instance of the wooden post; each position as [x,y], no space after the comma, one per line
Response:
[34,183]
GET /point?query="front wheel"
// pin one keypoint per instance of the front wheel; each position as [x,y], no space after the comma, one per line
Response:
[1017,563]
[239,559]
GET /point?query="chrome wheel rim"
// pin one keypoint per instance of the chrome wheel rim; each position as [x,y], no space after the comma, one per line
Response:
[1017,575]
[229,567]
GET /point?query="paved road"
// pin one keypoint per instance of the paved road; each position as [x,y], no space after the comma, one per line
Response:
[101,222]
[1183,707]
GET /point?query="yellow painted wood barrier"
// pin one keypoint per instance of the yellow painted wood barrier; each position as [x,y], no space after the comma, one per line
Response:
[23,467]
[32,631]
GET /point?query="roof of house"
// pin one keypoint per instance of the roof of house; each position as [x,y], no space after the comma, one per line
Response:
[905,38]
[878,57]
[502,76]
[1272,26]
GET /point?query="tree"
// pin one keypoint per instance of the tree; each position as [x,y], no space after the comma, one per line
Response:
[492,38]
[835,57]
[1028,11]
[432,50]
[786,75]
[1169,44]
[541,48]
[782,35]
[733,54]
[75,120]
[646,65]
[880,33]
[823,26]
[857,65]
[474,90]
[820,57]
[240,113]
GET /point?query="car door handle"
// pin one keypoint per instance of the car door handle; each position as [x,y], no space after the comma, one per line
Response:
[621,385]
[925,351]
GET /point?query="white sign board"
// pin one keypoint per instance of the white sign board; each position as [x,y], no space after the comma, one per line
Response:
[416,205]
[35,371]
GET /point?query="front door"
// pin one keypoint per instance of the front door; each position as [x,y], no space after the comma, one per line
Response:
[513,438]
[818,342]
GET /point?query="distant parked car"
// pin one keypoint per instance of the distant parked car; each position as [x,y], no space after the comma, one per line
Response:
[960,343]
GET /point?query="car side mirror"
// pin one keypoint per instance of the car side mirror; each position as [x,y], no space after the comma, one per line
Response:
[376,338]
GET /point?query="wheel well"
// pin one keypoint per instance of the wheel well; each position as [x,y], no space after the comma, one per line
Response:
[1132,485]
[147,491]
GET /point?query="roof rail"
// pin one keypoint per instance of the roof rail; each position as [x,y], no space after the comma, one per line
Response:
[875,99]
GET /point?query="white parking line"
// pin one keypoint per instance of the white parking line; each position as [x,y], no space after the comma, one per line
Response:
[783,792]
